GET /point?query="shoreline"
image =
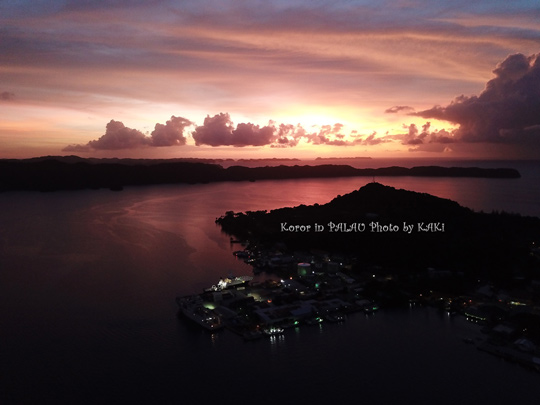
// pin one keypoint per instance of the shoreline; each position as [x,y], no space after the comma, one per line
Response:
[52,174]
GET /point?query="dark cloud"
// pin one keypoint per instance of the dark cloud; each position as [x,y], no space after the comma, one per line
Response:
[398,108]
[432,148]
[416,137]
[7,95]
[442,136]
[170,134]
[219,131]
[507,110]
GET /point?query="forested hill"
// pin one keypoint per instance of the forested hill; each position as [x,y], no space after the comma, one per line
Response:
[381,225]
[66,173]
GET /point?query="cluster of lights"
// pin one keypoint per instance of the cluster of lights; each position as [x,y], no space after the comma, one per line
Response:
[475,318]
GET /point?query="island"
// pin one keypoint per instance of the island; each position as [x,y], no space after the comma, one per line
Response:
[375,248]
[399,229]
[73,173]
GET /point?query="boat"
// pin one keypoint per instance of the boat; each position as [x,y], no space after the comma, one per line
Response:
[193,308]
[273,331]
[230,282]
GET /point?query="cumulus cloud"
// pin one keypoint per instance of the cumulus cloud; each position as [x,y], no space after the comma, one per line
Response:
[289,135]
[414,136]
[398,108]
[250,134]
[328,135]
[170,134]
[215,131]
[7,95]
[117,136]
[506,111]
[373,140]
[219,131]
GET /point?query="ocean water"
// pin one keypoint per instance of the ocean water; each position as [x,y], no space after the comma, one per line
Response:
[87,311]
[511,195]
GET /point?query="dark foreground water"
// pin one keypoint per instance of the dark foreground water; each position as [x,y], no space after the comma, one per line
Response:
[87,312]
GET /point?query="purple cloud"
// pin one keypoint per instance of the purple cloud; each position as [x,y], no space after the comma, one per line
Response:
[219,131]
[415,137]
[507,110]
[170,134]
[117,136]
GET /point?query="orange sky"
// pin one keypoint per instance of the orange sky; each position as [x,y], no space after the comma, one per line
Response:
[311,78]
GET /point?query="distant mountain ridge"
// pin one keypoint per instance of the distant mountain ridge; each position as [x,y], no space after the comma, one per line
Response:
[72,172]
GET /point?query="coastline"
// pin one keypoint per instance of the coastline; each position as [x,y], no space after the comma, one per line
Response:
[51,174]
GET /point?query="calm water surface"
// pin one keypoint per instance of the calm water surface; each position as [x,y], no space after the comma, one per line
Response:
[87,311]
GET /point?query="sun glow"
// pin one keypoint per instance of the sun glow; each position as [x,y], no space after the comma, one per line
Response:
[310,121]
[309,116]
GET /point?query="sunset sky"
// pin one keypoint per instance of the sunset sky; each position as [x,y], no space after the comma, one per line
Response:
[250,79]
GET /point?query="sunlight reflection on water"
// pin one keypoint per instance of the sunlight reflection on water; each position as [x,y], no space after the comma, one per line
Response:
[88,281]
